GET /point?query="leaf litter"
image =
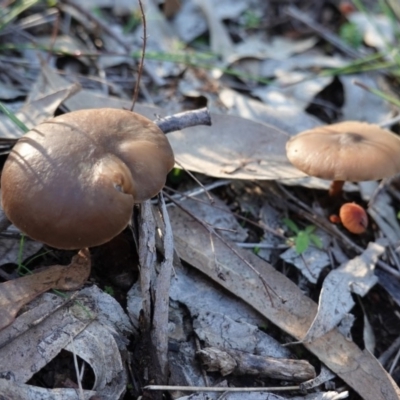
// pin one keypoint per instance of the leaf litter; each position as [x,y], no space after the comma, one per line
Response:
[246,142]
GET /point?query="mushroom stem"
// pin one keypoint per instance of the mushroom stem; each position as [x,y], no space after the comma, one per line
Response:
[336,188]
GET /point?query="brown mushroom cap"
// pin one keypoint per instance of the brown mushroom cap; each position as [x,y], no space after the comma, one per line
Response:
[347,151]
[71,182]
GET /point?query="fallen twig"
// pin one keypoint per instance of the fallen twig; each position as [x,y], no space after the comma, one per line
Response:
[230,361]
[184,120]
[222,389]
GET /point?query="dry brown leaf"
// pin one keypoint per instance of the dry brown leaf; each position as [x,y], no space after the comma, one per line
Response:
[285,117]
[336,300]
[18,292]
[88,99]
[291,310]
[37,110]
[234,148]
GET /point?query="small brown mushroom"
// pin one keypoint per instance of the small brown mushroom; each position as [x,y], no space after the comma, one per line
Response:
[354,218]
[72,181]
[346,151]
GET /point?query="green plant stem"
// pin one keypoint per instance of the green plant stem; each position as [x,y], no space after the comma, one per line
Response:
[13,118]
[379,93]
[20,253]
[16,10]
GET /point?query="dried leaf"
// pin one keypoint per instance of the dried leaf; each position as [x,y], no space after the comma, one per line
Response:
[97,346]
[18,292]
[234,148]
[36,111]
[284,117]
[85,99]
[218,216]
[90,324]
[335,300]
[39,334]
[191,23]
[19,391]
[293,90]
[220,330]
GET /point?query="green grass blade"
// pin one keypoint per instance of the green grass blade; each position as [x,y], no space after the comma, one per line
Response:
[13,118]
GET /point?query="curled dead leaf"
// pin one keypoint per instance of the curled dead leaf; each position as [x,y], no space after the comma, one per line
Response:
[18,292]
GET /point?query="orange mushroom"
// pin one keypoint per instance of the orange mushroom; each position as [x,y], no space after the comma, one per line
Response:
[72,181]
[354,218]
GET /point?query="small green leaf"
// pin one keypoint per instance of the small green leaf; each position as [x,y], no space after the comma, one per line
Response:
[310,229]
[109,290]
[251,20]
[302,241]
[291,225]
[176,176]
[350,33]
[316,241]
[256,250]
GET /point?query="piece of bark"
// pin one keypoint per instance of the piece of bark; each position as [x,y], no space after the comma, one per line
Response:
[241,363]
[152,347]
[159,332]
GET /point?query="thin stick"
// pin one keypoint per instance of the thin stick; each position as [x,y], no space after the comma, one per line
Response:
[330,37]
[394,363]
[140,67]
[221,389]
[191,193]
[210,198]
[78,375]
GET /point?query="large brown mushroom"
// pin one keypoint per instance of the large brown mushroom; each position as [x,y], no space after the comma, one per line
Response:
[72,181]
[346,151]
